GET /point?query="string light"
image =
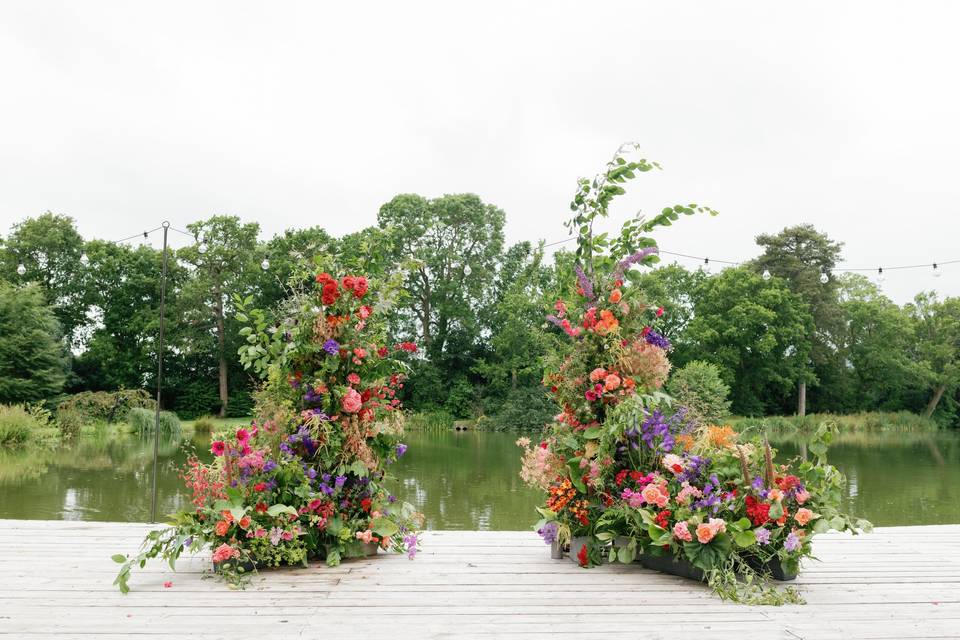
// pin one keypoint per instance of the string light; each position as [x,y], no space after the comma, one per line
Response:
[265,265]
[21,269]
[766,274]
[880,276]
[824,278]
[936,271]
[84,260]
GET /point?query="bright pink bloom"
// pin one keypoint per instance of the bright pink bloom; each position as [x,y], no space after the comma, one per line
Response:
[682,532]
[217,447]
[351,401]
[656,494]
[242,435]
[353,378]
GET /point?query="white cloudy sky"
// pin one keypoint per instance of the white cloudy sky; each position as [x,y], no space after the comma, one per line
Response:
[841,114]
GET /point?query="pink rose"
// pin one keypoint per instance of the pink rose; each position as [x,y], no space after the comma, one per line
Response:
[802,496]
[705,533]
[682,532]
[351,401]
[804,515]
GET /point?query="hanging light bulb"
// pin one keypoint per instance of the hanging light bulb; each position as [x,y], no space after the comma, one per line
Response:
[880,276]
[202,249]
[824,278]
[84,260]
[936,270]
[466,270]
[265,264]
[21,269]
[766,274]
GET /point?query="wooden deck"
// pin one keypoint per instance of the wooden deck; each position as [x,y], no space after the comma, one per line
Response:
[55,581]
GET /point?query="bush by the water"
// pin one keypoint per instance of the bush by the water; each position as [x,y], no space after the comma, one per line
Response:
[144,421]
[33,363]
[428,421]
[698,386]
[523,408]
[22,425]
[864,421]
[204,424]
[105,406]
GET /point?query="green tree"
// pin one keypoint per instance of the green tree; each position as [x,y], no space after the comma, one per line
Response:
[454,242]
[33,361]
[698,386]
[875,342]
[801,255]
[937,346]
[231,265]
[675,289]
[757,332]
[50,249]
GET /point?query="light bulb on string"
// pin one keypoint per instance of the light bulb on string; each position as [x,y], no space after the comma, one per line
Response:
[824,278]
[706,265]
[467,270]
[766,274]
[202,249]
[21,269]
[84,260]
[265,265]
[880,276]
[936,270]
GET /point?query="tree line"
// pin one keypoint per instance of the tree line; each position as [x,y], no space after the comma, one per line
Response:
[84,315]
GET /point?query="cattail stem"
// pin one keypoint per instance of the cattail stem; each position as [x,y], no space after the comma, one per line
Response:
[743,466]
[768,462]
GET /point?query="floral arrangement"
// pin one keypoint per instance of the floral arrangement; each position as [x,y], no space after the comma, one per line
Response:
[628,474]
[306,479]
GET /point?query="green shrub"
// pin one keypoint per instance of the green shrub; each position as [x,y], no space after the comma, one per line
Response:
[22,425]
[70,421]
[204,424]
[33,359]
[106,406]
[143,421]
[523,408]
[698,386]
[896,421]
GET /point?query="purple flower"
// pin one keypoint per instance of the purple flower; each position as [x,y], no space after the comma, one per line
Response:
[658,340]
[584,282]
[332,347]
[391,498]
[695,466]
[410,541]
[401,449]
[631,260]
[312,473]
[763,535]
[269,466]
[339,481]
[548,532]
[325,488]
[757,483]
[792,542]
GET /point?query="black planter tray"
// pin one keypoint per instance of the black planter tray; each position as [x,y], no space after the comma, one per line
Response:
[673,566]
[773,567]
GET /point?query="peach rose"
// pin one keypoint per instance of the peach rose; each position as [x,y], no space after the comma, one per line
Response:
[655,494]
[802,496]
[612,382]
[351,401]
[705,533]
[598,374]
[804,515]
[615,296]
[775,494]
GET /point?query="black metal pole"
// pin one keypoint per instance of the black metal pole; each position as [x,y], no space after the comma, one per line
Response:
[156,425]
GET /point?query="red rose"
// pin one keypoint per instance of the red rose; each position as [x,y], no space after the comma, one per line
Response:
[349,282]
[260,486]
[365,504]
[261,507]
[360,288]
[382,352]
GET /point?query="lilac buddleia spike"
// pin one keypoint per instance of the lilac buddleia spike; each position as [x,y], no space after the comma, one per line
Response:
[631,260]
[584,282]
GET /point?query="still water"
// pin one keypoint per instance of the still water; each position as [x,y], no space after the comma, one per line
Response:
[460,480]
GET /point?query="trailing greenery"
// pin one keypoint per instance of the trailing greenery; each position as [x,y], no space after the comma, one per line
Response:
[106,406]
[144,421]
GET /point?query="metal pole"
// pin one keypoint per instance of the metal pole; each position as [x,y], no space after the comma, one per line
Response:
[156,425]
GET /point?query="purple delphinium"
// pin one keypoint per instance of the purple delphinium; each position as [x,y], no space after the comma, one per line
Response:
[269,466]
[695,466]
[631,260]
[548,532]
[391,498]
[763,535]
[584,282]
[792,542]
[325,488]
[332,347]
[658,340]
[401,449]
[757,483]
[655,432]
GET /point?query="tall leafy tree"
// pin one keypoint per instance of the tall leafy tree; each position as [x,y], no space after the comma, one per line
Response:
[937,330]
[801,255]
[757,332]
[33,360]
[50,248]
[231,265]
[453,243]
[675,289]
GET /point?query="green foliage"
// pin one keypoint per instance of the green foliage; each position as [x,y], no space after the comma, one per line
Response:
[429,421]
[70,422]
[757,332]
[143,421]
[898,421]
[204,424]
[106,406]
[22,425]
[33,361]
[698,386]
[523,408]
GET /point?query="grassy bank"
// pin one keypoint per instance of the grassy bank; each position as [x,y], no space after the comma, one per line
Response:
[897,421]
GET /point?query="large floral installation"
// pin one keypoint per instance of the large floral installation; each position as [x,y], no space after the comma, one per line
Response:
[306,479]
[628,476]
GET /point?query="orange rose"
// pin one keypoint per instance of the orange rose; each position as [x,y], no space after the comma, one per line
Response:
[222,528]
[804,515]
[615,296]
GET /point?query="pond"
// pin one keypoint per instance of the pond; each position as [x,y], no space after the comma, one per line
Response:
[460,480]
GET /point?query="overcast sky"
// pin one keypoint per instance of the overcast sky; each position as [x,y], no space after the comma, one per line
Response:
[843,115]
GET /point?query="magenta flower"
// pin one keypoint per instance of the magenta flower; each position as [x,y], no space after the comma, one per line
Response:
[217,447]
